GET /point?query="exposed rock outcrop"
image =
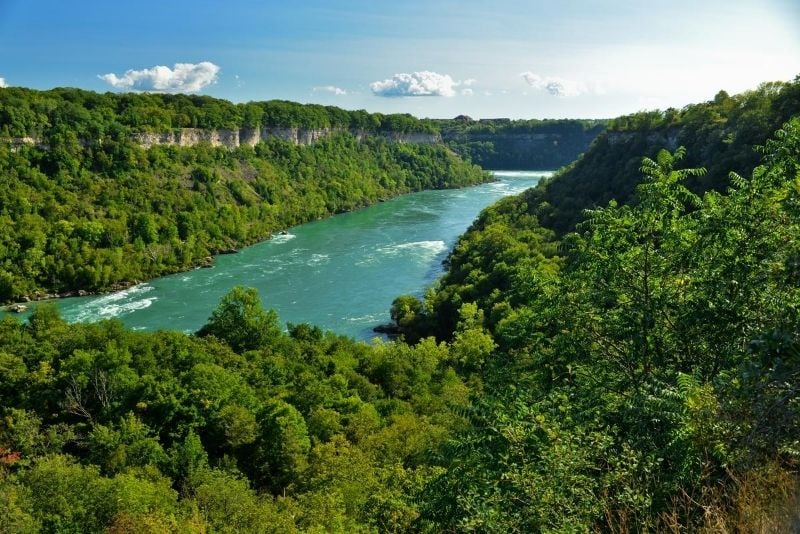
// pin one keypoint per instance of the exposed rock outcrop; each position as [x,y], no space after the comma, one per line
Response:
[669,138]
[245,136]
[252,136]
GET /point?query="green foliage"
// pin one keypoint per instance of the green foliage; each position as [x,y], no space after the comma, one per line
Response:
[244,429]
[88,208]
[85,115]
[514,243]
[719,136]
[241,322]
[656,367]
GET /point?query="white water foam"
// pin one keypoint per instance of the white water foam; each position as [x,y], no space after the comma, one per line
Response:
[318,259]
[116,304]
[421,249]
[522,174]
[282,238]
[370,318]
[432,247]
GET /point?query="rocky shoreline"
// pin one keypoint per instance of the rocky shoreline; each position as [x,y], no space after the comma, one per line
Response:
[19,306]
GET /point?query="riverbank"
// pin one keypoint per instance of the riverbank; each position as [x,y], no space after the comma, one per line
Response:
[340,273]
[43,294]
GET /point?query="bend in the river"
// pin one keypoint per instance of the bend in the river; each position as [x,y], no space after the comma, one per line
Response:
[340,273]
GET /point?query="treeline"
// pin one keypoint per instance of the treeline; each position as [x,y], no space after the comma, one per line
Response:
[504,144]
[645,362]
[92,217]
[94,116]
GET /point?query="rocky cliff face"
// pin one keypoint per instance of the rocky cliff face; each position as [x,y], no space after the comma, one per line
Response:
[246,136]
[252,136]
[520,149]
[17,142]
[668,139]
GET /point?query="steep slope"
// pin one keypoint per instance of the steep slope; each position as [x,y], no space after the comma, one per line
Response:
[720,136]
[86,204]
[519,144]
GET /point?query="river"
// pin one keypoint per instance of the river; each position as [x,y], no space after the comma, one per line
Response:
[340,273]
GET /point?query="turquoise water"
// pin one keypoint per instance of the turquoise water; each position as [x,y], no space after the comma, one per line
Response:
[340,273]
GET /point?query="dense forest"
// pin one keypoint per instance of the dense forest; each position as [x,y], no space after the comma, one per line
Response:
[93,210]
[644,317]
[503,144]
[637,371]
[719,136]
[93,116]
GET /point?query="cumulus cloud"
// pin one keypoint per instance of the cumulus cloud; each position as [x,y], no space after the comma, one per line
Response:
[467,91]
[182,78]
[338,91]
[469,81]
[423,83]
[552,84]
[3,82]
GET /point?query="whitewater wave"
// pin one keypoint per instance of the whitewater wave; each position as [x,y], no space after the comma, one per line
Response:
[319,259]
[111,310]
[121,295]
[282,238]
[116,304]
[425,250]
[369,318]
[523,174]
[433,247]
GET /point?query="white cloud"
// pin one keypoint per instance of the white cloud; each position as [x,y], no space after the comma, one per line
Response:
[423,83]
[467,91]
[469,81]
[338,91]
[3,82]
[553,84]
[182,78]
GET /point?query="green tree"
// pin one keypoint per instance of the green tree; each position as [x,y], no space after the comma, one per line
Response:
[240,321]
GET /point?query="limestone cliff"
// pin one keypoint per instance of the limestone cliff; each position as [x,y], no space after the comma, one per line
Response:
[515,149]
[252,136]
[246,136]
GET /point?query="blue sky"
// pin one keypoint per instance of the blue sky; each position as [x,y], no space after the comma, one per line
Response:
[501,58]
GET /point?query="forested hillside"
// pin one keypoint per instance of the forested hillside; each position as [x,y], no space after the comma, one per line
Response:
[242,428]
[87,208]
[647,379]
[720,136]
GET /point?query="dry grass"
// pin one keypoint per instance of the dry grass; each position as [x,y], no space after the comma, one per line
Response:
[764,500]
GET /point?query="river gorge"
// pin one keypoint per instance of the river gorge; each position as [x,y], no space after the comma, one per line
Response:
[341,273]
